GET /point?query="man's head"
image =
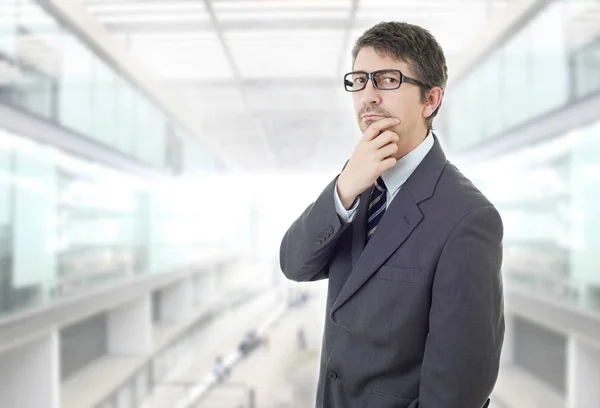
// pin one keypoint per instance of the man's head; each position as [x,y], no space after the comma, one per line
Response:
[416,54]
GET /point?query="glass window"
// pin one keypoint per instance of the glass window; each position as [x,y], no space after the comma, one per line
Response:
[37,54]
[584,174]
[472,132]
[48,71]
[8,27]
[75,93]
[9,71]
[98,220]
[34,216]
[147,138]
[127,117]
[103,103]
[549,61]
[5,221]
[587,69]
[147,134]
[547,195]
[518,78]
[491,88]
[66,225]
[33,91]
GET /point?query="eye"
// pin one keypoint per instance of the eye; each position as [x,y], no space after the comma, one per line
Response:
[359,80]
[390,80]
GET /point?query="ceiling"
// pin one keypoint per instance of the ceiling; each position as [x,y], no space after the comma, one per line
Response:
[263,77]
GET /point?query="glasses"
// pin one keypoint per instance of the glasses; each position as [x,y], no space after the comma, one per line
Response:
[384,79]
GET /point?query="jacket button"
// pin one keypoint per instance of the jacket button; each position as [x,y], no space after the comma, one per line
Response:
[333,376]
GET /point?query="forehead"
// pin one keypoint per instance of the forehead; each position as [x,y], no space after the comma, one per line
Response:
[370,60]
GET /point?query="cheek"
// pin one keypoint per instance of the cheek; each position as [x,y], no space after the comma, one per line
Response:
[356,102]
[408,108]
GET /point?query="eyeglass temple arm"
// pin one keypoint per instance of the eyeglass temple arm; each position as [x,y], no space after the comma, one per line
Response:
[412,81]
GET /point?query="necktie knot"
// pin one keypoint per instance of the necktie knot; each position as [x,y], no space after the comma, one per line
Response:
[380,185]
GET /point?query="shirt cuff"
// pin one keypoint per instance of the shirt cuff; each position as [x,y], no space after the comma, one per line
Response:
[345,215]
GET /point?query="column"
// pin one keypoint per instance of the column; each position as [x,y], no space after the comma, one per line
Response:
[177,301]
[130,328]
[30,375]
[583,374]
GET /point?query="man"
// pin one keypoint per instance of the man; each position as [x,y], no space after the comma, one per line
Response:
[411,248]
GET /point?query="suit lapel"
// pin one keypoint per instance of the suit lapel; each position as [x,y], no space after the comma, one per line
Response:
[399,221]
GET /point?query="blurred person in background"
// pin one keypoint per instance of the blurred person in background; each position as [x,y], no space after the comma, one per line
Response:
[411,248]
[220,370]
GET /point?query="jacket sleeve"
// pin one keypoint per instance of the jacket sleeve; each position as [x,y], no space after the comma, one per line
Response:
[466,319]
[309,243]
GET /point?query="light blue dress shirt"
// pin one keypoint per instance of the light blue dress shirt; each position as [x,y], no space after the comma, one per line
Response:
[393,178]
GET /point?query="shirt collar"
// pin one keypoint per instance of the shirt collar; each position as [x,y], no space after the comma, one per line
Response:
[395,177]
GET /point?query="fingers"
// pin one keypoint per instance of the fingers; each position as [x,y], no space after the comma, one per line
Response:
[378,126]
[387,151]
[385,138]
[387,164]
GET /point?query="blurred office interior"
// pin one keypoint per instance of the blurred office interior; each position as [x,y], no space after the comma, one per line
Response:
[153,153]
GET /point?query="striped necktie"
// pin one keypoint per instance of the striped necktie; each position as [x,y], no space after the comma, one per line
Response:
[377,203]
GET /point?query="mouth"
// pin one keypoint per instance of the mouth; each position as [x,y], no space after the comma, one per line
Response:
[373,116]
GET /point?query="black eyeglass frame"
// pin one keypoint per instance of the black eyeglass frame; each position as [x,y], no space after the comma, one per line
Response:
[371,76]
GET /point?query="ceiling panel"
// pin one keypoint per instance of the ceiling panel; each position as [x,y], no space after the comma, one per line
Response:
[290,98]
[191,55]
[285,53]
[454,23]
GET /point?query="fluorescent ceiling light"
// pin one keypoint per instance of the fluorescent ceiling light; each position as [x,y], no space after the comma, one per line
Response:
[176,36]
[146,7]
[283,15]
[430,4]
[152,18]
[281,5]
[422,14]
[283,35]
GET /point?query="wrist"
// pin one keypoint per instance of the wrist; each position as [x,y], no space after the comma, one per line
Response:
[346,195]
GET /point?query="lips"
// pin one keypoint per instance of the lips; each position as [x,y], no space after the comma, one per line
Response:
[372,116]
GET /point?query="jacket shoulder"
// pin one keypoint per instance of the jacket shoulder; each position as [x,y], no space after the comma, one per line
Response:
[459,194]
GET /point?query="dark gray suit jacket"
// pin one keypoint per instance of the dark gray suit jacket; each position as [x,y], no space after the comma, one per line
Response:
[414,317]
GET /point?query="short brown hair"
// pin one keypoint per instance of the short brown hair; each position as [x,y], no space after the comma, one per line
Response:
[411,44]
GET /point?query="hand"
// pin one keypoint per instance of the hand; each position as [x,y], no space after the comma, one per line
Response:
[371,157]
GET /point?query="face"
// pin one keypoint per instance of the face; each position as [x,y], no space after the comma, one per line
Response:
[372,104]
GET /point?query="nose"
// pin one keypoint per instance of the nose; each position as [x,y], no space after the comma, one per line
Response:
[370,95]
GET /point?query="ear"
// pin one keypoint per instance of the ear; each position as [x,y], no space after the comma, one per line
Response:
[434,98]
